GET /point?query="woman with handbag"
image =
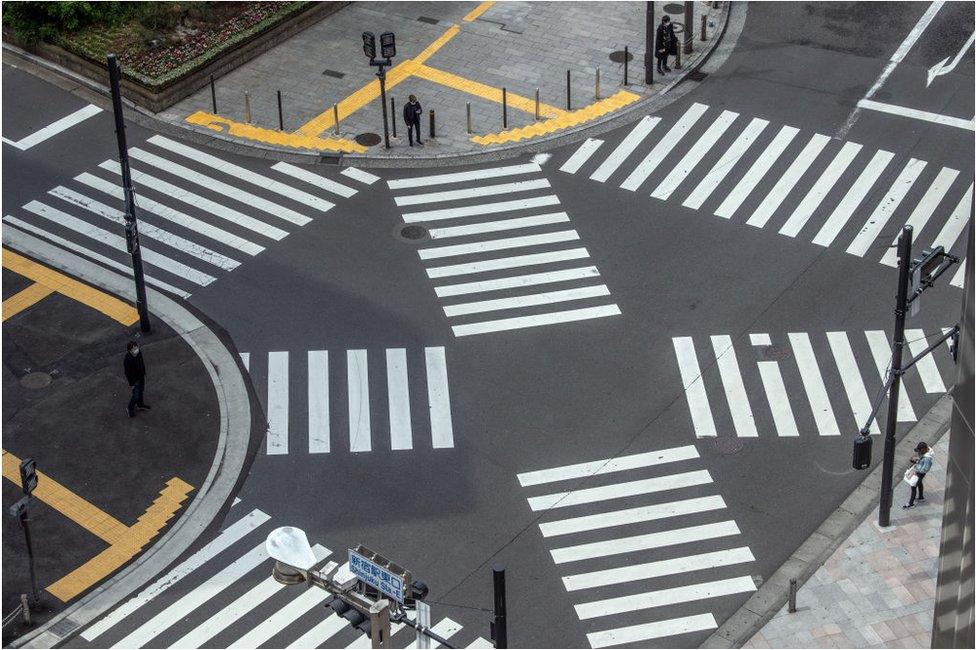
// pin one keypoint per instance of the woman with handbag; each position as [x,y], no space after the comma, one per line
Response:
[922,463]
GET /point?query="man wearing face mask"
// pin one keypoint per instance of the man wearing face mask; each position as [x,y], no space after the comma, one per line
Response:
[666,43]
[135,373]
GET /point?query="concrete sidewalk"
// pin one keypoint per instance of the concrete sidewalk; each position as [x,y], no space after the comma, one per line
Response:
[878,588]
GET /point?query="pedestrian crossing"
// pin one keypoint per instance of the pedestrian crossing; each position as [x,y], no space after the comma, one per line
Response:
[223,595]
[509,258]
[199,215]
[805,185]
[339,389]
[644,545]
[758,386]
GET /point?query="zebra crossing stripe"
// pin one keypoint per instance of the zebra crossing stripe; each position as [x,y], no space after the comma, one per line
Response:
[480,643]
[725,164]
[959,275]
[320,182]
[359,175]
[498,244]
[663,147]
[694,155]
[536,320]
[694,386]
[531,279]
[735,390]
[631,516]
[778,399]
[658,569]
[813,384]
[664,597]
[886,207]
[855,195]
[626,147]
[281,619]
[581,155]
[460,177]
[277,403]
[644,542]
[495,226]
[607,466]
[923,210]
[398,390]
[446,628]
[649,631]
[472,192]
[794,224]
[881,351]
[439,399]
[957,221]
[532,259]
[788,181]
[620,490]
[363,642]
[482,208]
[319,432]
[547,298]
[927,369]
[357,375]
[756,172]
[322,632]
[246,360]
[840,347]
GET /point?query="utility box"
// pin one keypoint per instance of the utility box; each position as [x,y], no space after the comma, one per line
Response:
[862,451]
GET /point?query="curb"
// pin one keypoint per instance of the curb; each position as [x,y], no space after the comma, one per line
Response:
[834,531]
[236,420]
[733,12]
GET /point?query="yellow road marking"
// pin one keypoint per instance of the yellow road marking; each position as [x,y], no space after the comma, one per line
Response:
[294,140]
[24,299]
[108,305]
[477,11]
[485,91]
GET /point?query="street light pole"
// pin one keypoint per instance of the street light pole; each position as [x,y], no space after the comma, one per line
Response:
[649,45]
[131,223]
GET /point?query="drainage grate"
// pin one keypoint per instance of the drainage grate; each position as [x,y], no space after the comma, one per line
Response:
[64,627]
[368,139]
[620,55]
[728,446]
[413,232]
[696,75]
[331,158]
[429,21]
[334,73]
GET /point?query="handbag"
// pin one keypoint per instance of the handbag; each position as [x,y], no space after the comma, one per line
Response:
[911,477]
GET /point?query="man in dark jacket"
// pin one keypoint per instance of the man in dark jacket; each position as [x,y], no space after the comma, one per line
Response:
[411,115]
[135,373]
[666,43]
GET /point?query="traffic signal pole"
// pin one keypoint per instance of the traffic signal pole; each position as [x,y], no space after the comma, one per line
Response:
[386,127]
[649,45]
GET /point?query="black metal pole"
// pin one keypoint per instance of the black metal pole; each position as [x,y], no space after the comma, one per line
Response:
[649,44]
[626,57]
[901,306]
[393,115]
[281,120]
[689,34]
[25,522]
[433,132]
[213,94]
[504,108]
[131,222]
[501,624]
[569,103]
[386,129]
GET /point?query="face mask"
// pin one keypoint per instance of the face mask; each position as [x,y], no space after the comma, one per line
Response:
[135,352]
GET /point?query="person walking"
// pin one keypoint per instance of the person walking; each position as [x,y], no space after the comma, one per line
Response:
[922,461]
[135,372]
[665,43]
[411,115]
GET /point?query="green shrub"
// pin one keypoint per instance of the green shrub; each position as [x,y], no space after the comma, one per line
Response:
[33,21]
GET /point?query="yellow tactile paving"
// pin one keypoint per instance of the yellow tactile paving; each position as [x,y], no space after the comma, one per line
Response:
[98,300]
[24,299]
[485,91]
[477,11]
[270,136]
[567,119]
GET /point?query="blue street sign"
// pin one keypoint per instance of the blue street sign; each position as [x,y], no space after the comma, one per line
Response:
[376,576]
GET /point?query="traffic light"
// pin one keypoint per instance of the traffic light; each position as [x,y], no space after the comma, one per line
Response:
[345,609]
[369,45]
[28,475]
[387,45]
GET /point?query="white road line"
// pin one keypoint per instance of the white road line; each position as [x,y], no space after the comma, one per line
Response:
[212,587]
[229,536]
[481,208]
[189,198]
[55,128]
[850,376]
[164,236]
[608,465]
[357,377]
[445,628]
[725,164]
[778,398]
[398,389]
[472,192]
[648,631]
[547,298]
[495,226]
[813,384]
[363,642]
[664,597]
[536,320]
[956,223]
[118,243]
[855,195]
[620,490]
[916,114]
[581,155]
[923,210]
[322,632]
[359,175]
[531,279]
[460,177]
[70,245]
[277,403]
[439,399]
[694,155]
[281,619]
[694,384]
[760,339]
[735,390]
[242,173]
[219,187]
[660,151]
[246,360]
[498,244]
[626,147]
[788,181]
[320,182]
[794,224]
[628,516]
[518,261]
[881,351]
[879,218]
[927,370]
[759,168]
[644,542]
[958,276]
[319,432]
[657,569]
[480,643]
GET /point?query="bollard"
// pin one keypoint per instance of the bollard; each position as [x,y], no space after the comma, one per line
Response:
[25,609]
[677,59]
[213,94]
[393,115]
[281,121]
[504,108]
[626,57]
[432,135]
[597,93]
[703,27]
[247,107]
[468,111]
[569,104]
[335,118]
[792,605]
[537,104]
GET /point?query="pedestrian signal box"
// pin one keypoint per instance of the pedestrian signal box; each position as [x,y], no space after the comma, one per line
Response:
[28,475]
[369,45]
[387,45]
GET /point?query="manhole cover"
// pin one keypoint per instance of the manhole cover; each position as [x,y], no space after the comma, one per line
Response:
[36,380]
[368,139]
[728,446]
[620,56]
[674,8]
[775,352]
[411,233]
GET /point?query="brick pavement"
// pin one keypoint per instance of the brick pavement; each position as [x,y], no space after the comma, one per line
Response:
[878,589]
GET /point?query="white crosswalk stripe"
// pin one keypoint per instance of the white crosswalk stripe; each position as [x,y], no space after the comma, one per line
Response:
[886,207]
[646,542]
[759,168]
[725,164]
[663,148]
[624,149]
[772,385]
[858,192]
[820,189]
[694,155]
[581,155]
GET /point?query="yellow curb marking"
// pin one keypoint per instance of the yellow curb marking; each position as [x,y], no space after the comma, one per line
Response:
[125,541]
[57,282]
[485,91]
[24,299]
[477,11]
[269,136]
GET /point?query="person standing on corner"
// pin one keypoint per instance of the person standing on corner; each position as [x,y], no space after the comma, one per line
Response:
[665,43]
[135,372]
[411,115]
[923,463]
